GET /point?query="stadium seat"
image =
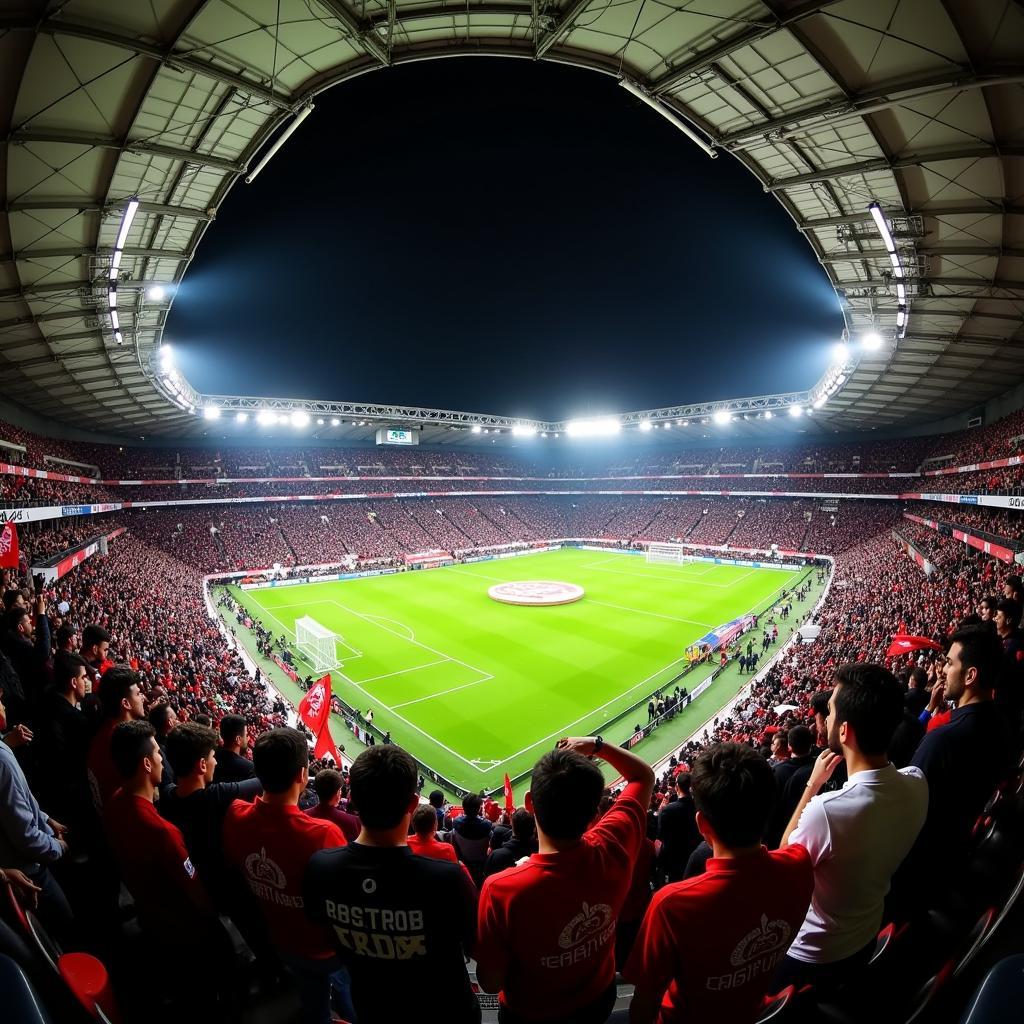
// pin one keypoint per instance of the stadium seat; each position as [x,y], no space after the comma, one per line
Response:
[1000,996]
[89,983]
[20,1003]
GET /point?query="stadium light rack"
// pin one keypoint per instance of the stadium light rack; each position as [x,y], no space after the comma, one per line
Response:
[902,311]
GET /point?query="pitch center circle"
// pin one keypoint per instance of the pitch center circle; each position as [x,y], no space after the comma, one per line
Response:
[536,592]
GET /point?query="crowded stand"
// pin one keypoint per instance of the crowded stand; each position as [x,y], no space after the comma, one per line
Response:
[132,722]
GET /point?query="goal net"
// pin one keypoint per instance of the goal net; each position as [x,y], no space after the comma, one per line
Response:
[316,643]
[662,554]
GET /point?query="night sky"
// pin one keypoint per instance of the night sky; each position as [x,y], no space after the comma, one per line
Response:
[501,236]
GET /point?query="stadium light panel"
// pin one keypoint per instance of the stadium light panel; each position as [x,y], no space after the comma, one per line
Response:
[211,412]
[241,417]
[543,433]
[841,352]
[157,292]
[685,423]
[112,298]
[126,222]
[606,426]
[266,417]
[795,411]
[883,227]
[668,426]
[319,421]
[476,428]
[118,338]
[721,417]
[819,401]
[521,430]
[335,422]
[872,341]
[646,426]
[300,418]
[115,322]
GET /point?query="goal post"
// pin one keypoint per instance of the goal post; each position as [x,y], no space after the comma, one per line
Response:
[666,554]
[316,643]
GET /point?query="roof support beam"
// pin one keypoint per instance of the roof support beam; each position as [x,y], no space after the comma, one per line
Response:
[997,208]
[55,27]
[869,102]
[887,164]
[26,136]
[43,289]
[163,209]
[563,22]
[700,61]
[934,250]
[361,32]
[78,251]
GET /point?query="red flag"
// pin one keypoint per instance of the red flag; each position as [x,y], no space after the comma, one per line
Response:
[315,713]
[9,547]
[903,643]
[510,802]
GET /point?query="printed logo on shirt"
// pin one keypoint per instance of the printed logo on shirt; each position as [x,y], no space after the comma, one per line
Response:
[378,933]
[267,881]
[189,868]
[586,934]
[758,953]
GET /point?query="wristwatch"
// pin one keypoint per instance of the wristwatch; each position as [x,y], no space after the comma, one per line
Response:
[598,743]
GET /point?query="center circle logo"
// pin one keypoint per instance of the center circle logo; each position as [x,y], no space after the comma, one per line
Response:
[536,592]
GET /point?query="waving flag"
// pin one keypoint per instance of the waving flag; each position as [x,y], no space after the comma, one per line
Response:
[510,802]
[315,713]
[9,547]
[904,643]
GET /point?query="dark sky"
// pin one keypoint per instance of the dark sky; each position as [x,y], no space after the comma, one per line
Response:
[501,236]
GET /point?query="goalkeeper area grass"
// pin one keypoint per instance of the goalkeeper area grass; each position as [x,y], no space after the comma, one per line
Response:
[476,689]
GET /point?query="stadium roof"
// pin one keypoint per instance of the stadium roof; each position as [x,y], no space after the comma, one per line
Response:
[916,104]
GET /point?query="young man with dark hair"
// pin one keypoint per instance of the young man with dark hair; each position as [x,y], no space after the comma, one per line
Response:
[163,719]
[707,947]
[471,836]
[25,639]
[962,761]
[522,844]
[172,902]
[197,805]
[269,842]
[547,927]
[62,742]
[232,764]
[677,830]
[120,700]
[95,645]
[328,786]
[857,836]
[403,924]
[790,780]
[1009,686]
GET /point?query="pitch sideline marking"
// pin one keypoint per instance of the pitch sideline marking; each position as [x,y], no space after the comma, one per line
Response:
[655,615]
[618,560]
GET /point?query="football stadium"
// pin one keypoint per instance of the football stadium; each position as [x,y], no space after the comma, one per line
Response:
[525,540]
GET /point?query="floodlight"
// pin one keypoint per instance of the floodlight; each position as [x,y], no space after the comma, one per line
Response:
[112,298]
[266,417]
[476,428]
[157,292]
[335,422]
[521,430]
[872,341]
[901,316]
[668,426]
[883,227]
[166,356]
[721,417]
[685,423]
[126,222]
[211,412]
[319,421]
[486,431]
[241,417]
[114,321]
[118,338]
[283,418]
[646,425]
[795,411]
[768,414]
[543,433]
[606,426]
[894,259]
[841,352]
[819,401]
[300,418]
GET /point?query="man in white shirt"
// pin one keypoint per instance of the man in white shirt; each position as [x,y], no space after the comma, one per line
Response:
[857,836]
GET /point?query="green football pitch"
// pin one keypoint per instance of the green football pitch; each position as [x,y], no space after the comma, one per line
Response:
[477,689]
